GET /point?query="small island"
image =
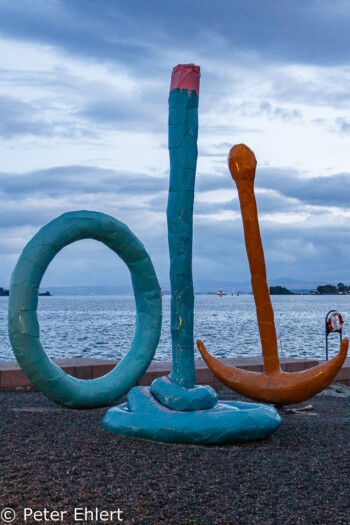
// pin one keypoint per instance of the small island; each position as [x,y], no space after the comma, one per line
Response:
[6,293]
[324,289]
[280,290]
[330,289]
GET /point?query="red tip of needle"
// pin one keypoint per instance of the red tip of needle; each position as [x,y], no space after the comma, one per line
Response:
[185,76]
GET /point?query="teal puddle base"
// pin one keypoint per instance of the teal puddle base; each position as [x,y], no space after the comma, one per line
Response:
[143,416]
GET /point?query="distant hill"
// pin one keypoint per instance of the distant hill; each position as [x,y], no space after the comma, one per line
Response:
[294,285]
[280,290]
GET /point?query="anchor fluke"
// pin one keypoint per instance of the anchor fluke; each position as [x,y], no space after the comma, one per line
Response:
[280,388]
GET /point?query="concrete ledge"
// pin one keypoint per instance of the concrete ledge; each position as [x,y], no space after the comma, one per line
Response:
[12,377]
[344,373]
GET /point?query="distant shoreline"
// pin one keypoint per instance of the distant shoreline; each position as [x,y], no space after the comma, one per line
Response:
[6,293]
[198,294]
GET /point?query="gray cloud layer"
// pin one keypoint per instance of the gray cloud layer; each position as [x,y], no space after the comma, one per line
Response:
[307,32]
[143,40]
[34,198]
[20,118]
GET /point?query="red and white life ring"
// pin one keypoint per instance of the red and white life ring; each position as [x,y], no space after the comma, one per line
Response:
[335,322]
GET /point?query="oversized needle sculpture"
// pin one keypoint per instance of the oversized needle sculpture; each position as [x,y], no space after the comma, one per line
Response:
[174,408]
[273,385]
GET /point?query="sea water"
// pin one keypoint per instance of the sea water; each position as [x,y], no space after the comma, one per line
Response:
[103,326]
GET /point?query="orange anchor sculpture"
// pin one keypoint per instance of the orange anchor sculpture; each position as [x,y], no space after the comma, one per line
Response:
[273,385]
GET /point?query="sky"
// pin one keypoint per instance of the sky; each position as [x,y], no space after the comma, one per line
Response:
[83,125]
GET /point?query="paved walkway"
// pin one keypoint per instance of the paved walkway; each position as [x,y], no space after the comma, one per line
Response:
[60,459]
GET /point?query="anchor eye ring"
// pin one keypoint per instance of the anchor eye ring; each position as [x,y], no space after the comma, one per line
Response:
[23,322]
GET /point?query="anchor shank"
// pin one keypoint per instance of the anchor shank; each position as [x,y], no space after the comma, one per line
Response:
[242,165]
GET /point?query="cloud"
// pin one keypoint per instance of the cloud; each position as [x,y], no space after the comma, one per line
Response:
[136,33]
[92,95]
[265,108]
[323,191]
[30,200]
[102,34]
[286,187]
[297,250]
[304,252]
[310,85]
[20,118]
[140,110]
[78,180]
[343,126]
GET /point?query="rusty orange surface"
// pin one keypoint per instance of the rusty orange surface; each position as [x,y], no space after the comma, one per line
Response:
[272,386]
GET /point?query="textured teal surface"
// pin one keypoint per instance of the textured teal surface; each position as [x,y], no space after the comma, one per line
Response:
[177,397]
[142,416]
[179,392]
[183,133]
[23,300]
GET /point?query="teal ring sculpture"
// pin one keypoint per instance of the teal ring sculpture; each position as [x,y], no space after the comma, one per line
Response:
[23,301]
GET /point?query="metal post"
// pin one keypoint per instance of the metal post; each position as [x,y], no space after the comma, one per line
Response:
[328,331]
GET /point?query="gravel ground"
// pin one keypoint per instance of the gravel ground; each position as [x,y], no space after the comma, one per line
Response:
[61,459]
